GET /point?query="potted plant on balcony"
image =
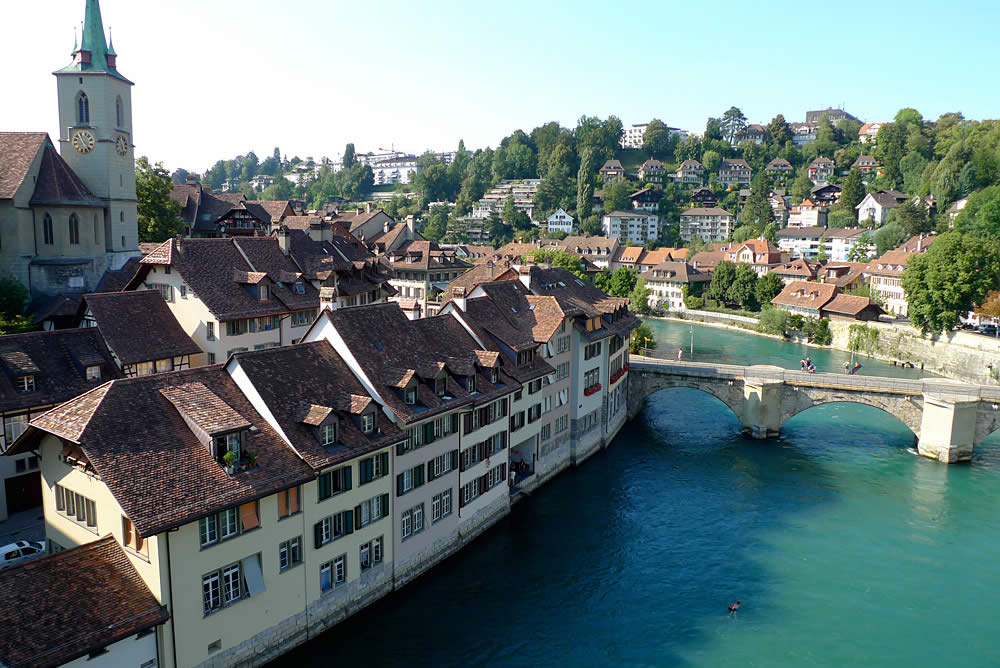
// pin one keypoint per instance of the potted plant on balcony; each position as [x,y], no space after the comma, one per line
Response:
[251,458]
[230,459]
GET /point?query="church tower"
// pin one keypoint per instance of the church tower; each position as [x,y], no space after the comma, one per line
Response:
[95,133]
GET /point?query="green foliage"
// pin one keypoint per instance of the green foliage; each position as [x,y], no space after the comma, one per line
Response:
[841,218]
[13,299]
[757,212]
[802,186]
[981,215]
[862,338]
[773,320]
[861,249]
[778,131]
[694,302]
[602,281]
[743,233]
[348,161]
[590,226]
[558,258]
[949,279]
[616,196]
[159,217]
[711,160]
[623,282]
[911,217]
[722,278]
[585,184]
[642,339]
[743,289]
[822,255]
[437,224]
[795,321]
[889,236]
[816,330]
[852,194]
[639,297]
[658,141]
[732,124]
[768,287]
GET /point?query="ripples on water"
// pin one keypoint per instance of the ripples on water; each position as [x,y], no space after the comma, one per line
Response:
[844,547]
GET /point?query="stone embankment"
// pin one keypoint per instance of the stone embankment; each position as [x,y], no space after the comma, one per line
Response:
[962,355]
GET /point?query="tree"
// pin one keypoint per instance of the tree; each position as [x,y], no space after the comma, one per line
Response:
[771,233]
[558,258]
[743,233]
[778,131]
[768,287]
[841,218]
[852,193]
[757,212]
[743,289]
[437,224]
[348,161]
[711,160]
[722,279]
[861,249]
[639,297]
[773,320]
[590,226]
[602,281]
[950,279]
[713,129]
[13,298]
[981,215]
[822,255]
[180,175]
[159,217]
[585,184]
[657,140]
[623,281]
[642,339]
[889,236]
[802,186]
[912,217]
[616,196]
[732,124]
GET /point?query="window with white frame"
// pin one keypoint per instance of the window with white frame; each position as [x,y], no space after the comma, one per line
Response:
[372,510]
[290,553]
[333,573]
[368,423]
[562,371]
[25,384]
[328,433]
[411,521]
[76,507]
[14,426]
[371,553]
[441,505]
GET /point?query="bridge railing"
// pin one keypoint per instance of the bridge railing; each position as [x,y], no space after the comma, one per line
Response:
[833,380]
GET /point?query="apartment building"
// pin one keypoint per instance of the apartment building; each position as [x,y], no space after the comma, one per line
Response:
[885,274]
[734,171]
[635,226]
[821,169]
[805,242]
[230,295]
[666,283]
[420,272]
[597,250]
[453,400]
[633,136]
[711,224]
[690,171]
[760,254]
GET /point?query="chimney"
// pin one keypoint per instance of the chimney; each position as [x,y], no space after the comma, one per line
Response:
[524,273]
[489,265]
[368,207]
[459,298]
[178,245]
[385,227]
[283,239]
[920,243]
[411,222]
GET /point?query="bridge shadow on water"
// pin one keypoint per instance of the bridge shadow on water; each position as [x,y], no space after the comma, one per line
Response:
[631,558]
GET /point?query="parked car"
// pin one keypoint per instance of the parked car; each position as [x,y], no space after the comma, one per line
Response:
[989,330]
[20,552]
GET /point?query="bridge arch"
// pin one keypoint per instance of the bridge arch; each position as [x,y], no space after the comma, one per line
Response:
[731,395]
[906,409]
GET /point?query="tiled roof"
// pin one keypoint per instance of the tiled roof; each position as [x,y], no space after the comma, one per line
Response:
[690,164]
[301,386]
[208,266]
[779,164]
[848,304]
[806,294]
[17,152]
[66,605]
[162,474]
[481,272]
[680,272]
[797,267]
[116,280]
[629,254]
[138,326]
[591,245]
[58,184]
[276,209]
[612,164]
[424,255]
[708,259]
[387,346]
[60,357]
[712,211]
[734,163]
[821,161]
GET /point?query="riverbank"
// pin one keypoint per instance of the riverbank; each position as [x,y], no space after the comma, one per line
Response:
[960,355]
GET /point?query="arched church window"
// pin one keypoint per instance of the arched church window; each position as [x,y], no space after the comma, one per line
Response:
[82,109]
[74,229]
[47,230]
[118,111]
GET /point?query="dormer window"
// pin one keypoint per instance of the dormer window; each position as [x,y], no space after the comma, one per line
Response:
[263,293]
[368,423]
[440,386]
[93,373]
[470,383]
[229,443]
[25,384]
[328,434]
[410,395]
[494,376]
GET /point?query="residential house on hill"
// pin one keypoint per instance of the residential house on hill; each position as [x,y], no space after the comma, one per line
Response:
[877,205]
[560,221]
[867,165]
[821,169]
[824,300]
[833,115]
[754,133]
[734,171]
[803,133]
[208,214]
[140,332]
[420,271]
[779,167]
[711,224]
[635,226]
[666,282]
[807,214]
[826,194]
[612,171]
[230,295]
[652,171]
[885,274]
[40,370]
[868,132]
[760,254]
[799,269]
[690,171]
[598,250]
[646,199]
[703,198]
[804,242]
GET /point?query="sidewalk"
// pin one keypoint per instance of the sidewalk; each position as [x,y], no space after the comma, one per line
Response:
[26,525]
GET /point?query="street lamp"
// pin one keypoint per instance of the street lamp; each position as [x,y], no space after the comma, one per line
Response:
[646,347]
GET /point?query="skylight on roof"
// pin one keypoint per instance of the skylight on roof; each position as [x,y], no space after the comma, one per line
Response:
[579,282]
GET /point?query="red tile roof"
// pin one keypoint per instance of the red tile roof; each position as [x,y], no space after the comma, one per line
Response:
[17,153]
[138,326]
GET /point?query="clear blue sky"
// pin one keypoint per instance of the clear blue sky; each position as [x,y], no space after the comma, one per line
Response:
[215,79]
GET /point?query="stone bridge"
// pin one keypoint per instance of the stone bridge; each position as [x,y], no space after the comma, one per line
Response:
[948,418]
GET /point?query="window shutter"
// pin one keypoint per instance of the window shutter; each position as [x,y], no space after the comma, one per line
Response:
[365,470]
[468,422]
[384,502]
[503,471]
[482,450]
[429,432]
[248,516]
[418,476]
[454,459]
[454,422]
[357,517]
[318,533]
[461,498]
[430,471]
[293,500]
[347,478]
[349,523]
[384,463]
[283,503]
[399,485]
[482,484]
[401,449]
[325,486]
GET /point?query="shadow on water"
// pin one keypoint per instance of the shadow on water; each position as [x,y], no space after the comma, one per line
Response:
[631,558]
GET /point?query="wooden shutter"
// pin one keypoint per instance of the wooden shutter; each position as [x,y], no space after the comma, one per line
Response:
[399,485]
[357,517]
[468,422]
[482,484]
[384,463]
[248,516]
[349,522]
[461,498]
[418,476]
[454,459]
[318,533]
[283,503]
[384,502]
[454,422]
[429,432]
[347,478]
[430,471]
[293,500]
[325,486]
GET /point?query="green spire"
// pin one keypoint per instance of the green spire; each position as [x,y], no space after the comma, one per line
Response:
[75,47]
[111,45]
[93,33]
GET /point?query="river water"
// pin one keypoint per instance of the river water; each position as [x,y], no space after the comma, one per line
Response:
[844,548]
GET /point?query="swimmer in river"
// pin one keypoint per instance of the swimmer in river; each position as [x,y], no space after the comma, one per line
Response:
[733,607]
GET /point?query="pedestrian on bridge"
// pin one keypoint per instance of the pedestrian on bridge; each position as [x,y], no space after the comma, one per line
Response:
[680,353]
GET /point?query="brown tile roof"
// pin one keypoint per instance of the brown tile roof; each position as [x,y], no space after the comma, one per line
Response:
[425,255]
[848,304]
[577,297]
[387,345]
[60,357]
[66,605]
[302,385]
[629,254]
[208,266]
[806,294]
[680,272]
[590,245]
[17,153]
[481,272]
[116,280]
[162,474]
[708,259]
[202,407]
[58,184]
[797,267]
[138,326]
[276,209]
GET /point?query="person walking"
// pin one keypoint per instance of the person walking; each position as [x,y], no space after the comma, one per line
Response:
[680,353]
[847,367]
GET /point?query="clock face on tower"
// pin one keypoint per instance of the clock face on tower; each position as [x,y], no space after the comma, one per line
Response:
[121,145]
[83,141]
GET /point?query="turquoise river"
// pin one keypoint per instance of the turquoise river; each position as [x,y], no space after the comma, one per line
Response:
[844,547]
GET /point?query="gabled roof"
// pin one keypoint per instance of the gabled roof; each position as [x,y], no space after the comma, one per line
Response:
[17,152]
[58,359]
[313,377]
[734,163]
[426,255]
[797,267]
[806,294]
[612,164]
[680,272]
[66,605]
[690,164]
[161,474]
[116,280]
[57,184]
[481,272]
[779,164]
[850,305]
[710,211]
[821,161]
[138,326]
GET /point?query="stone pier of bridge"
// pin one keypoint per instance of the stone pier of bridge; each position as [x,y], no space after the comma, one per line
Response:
[947,418]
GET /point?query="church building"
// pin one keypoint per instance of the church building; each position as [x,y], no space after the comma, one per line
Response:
[68,213]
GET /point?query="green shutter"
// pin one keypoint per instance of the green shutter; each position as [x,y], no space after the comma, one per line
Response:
[349,522]
[384,463]
[318,533]
[429,432]
[325,486]
[357,517]
[454,459]
[418,476]
[454,422]
[399,485]
[347,478]
[385,505]
[430,470]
